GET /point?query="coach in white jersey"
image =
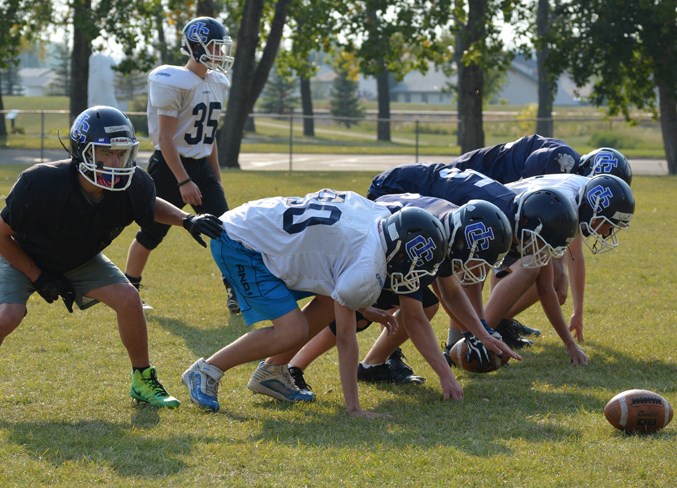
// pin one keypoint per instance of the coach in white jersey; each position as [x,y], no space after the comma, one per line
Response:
[336,245]
[184,106]
[605,205]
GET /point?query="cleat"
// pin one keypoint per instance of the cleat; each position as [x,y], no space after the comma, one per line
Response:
[396,363]
[299,380]
[447,356]
[511,336]
[231,300]
[276,382]
[145,306]
[202,380]
[524,329]
[146,388]
[383,374]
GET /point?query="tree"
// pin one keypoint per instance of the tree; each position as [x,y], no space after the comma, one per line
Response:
[628,49]
[249,76]
[62,82]
[130,85]
[11,81]
[546,81]
[278,95]
[345,101]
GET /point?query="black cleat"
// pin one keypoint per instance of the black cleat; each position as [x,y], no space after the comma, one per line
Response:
[231,299]
[511,336]
[299,380]
[383,374]
[524,329]
[445,353]
[396,363]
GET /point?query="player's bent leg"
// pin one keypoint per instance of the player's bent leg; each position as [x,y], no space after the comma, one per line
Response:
[11,315]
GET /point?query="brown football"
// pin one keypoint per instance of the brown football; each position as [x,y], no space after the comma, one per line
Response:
[459,356]
[638,411]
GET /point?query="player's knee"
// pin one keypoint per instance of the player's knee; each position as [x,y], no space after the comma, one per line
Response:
[562,296]
[150,239]
[10,318]
[124,298]
[431,310]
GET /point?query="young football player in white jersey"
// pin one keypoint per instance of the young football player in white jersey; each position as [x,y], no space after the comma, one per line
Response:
[335,245]
[184,106]
[605,205]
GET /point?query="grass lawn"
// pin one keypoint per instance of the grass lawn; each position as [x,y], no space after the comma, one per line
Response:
[67,419]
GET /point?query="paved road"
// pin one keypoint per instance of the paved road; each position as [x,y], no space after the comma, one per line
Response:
[308,162]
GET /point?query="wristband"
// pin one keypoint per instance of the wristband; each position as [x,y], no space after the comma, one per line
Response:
[187,180]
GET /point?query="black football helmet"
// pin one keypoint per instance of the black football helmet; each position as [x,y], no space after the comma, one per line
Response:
[206,40]
[103,146]
[605,199]
[416,245]
[604,160]
[545,223]
[481,236]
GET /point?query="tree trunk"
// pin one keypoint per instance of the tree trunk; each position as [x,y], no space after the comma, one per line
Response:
[248,77]
[546,87]
[206,8]
[383,89]
[471,81]
[307,105]
[83,30]
[668,109]
[161,40]
[3,125]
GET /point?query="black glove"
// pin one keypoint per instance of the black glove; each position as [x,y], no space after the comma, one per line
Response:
[476,349]
[51,285]
[206,224]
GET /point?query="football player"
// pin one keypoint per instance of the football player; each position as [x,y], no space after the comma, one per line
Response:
[336,245]
[479,235]
[184,106]
[60,216]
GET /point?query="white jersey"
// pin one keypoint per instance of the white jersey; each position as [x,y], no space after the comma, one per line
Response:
[195,102]
[329,243]
[568,184]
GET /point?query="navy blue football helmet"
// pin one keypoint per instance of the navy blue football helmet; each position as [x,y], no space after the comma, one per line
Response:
[416,245]
[103,146]
[605,199]
[605,160]
[481,236]
[206,40]
[545,224]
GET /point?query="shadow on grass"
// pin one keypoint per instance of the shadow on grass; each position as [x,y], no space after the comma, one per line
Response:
[119,446]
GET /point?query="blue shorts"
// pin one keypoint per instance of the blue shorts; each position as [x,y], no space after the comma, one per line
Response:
[261,295]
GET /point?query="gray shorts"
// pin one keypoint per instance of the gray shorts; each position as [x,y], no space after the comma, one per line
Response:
[15,287]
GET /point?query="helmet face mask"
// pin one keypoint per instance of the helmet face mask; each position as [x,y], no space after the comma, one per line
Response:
[606,205]
[104,147]
[415,248]
[546,222]
[206,41]
[481,236]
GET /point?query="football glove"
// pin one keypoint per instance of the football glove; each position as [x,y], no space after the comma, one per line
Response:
[476,349]
[206,224]
[51,285]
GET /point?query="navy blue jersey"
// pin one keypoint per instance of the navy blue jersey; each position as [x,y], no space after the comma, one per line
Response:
[58,227]
[529,156]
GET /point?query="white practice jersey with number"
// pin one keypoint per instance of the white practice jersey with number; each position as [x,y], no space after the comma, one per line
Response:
[196,103]
[327,242]
[568,184]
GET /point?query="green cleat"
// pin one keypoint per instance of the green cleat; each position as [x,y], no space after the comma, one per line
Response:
[146,388]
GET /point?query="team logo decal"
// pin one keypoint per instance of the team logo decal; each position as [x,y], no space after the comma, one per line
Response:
[420,249]
[80,128]
[478,236]
[566,162]
[605,162]
[599,197]
[198,32]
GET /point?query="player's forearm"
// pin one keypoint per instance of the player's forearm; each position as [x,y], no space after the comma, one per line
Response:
[168,214]
[348,352]
[423,337]
[172,158]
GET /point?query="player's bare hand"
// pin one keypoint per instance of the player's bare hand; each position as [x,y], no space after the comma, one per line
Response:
[451,389]
[500,348]
[576,327]
[578,357]
[383,317]
[191,194]
[366,414]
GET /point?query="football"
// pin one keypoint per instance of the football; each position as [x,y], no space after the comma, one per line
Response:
[459,356]
[640,411]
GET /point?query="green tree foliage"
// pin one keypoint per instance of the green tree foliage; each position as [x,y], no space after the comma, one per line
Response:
[62,83]
[344,103]
[627,48]
[278,95]
[11,81]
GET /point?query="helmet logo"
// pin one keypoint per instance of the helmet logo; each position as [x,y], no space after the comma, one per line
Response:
[566,162]
[477,235]
[198,32]
[80,128]
[599,197]
[420,249]
[605,162]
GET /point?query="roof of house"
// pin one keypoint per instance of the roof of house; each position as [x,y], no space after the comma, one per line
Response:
[36,76]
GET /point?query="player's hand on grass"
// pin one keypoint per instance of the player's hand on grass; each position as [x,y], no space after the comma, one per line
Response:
[366,414]
[578,357]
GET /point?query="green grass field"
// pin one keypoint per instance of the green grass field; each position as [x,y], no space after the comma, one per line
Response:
[67,419]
